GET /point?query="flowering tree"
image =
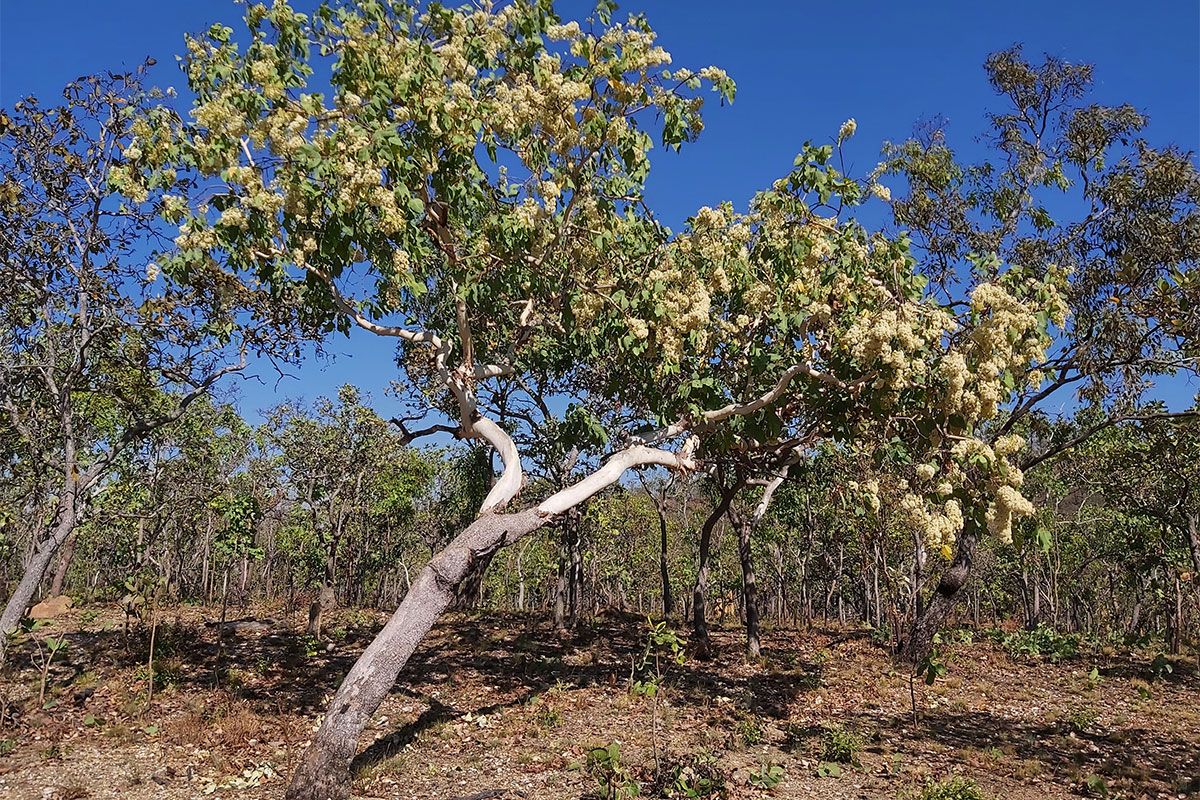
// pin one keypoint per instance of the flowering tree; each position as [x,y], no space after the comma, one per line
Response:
[1126,259]
[471,186]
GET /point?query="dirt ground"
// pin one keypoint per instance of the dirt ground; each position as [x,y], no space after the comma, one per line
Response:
[497,707]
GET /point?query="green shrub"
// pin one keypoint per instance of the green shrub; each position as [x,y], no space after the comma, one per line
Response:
[611,776]
[1082,719]
[1042,641]
[952,789]
[749,730]
[767,777]
[841,746]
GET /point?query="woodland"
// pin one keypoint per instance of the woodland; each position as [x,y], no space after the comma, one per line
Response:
[866,489]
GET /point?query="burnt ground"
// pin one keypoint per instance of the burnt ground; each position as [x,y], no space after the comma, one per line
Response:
[501,707]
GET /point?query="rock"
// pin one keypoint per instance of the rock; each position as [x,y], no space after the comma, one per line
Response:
[51,607]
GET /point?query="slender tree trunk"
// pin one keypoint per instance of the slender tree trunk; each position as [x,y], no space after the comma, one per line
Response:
[328,598]
[560,584]
[664,572]
[575,590]
[700,592]
[64,563]
[743,525]
[942,601]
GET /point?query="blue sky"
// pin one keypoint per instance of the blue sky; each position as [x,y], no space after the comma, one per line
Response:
[802,68]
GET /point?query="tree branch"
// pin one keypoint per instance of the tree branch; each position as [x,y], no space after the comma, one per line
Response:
[1071,443]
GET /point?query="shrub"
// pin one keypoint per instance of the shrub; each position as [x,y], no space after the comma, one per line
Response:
[841,746]
[1042,641]
[749,730]
[952,789]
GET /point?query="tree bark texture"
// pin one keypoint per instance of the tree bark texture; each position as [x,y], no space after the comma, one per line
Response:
[743,525]
[700,592]
[934,615]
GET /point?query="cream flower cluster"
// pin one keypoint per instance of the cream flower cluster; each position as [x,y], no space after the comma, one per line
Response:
[1008,504]
[869,492]
[1007,338]
[938,524]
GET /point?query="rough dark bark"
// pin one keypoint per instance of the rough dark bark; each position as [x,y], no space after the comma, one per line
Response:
[700,635]
[942,602]
[744,525]
[560,585]
[470,591]
[664,572]
[324,772]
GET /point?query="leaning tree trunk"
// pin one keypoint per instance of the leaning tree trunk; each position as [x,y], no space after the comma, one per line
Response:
[35,571]
[324,773]
[934,616]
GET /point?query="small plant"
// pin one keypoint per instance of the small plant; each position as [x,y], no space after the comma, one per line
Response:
[952,789]
[749,730]
[767,777]
[605,767]
[829,769]
[1094,786]
[932,666]
[663,647]
[310,644]
[1082,719]
[1042,641]
[841,746]
[548,716]
[1093,677]
[53,646]
[698,777]
[1160,667]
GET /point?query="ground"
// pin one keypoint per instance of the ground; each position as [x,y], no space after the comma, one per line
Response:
[501,707]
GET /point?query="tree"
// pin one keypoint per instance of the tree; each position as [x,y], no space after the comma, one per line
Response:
[473,188]
[1126,242]
[335,459]
[97,350]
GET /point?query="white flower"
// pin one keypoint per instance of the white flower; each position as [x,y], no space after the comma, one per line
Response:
[847,129]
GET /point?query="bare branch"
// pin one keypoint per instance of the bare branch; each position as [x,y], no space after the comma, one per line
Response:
[1087,434]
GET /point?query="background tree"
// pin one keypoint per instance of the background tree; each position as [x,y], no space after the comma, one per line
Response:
[98,351]
[1071,187]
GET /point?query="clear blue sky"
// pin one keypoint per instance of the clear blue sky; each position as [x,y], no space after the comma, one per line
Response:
[801,68]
